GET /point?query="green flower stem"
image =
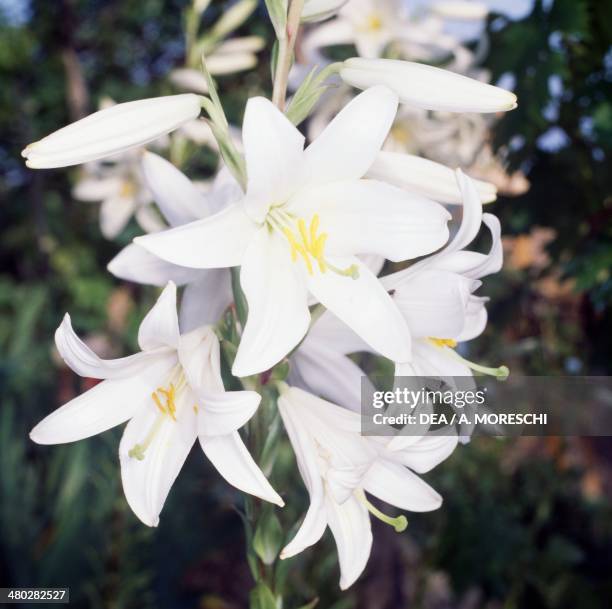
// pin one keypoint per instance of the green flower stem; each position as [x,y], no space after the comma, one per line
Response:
[286,46]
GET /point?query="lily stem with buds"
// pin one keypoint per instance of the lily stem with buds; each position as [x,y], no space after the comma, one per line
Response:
[286,46]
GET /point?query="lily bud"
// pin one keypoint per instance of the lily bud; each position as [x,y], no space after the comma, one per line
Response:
[112,130]
[318,10]
[424,177]
[427,87]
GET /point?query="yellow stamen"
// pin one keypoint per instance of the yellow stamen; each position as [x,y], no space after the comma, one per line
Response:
[164,400]
[307,243]
[127,189]
[444,342]
[374,22]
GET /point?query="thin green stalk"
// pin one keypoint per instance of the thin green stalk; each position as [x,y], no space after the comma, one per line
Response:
[286,46]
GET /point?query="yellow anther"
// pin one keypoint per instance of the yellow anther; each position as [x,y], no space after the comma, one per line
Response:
[444,342]
[307,243]
[127,189]
[374,22]
[169,396]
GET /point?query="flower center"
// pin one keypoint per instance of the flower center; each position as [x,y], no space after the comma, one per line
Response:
[165,400]
[306,242]
[374,22]
[128,189]
[448,344]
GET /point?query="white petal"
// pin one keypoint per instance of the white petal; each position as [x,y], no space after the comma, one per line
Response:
[460,9]
[370,217]
[327,34]
[147,482]
[175,194]
[306,452]
[149,219]
[348,146]
[311,530]
[433,303]
[424,177]
[220,414]
[160,327]
[472,214]
[323,371]
[189,79]
[134,263]
[274,151]
[432,361]
[112,130]
[216,242]
[82,360]
[398,486]
[315,521]
[115,213]
[364,305]
[278,312]
[106,405]
[427,87]
[473,264]
[229,63]
[205,299]
[475,319]
[199,354]
[351,528]
[331,331]
[429,451]
[234,462]
[243,44]
[96,189]
[317,10]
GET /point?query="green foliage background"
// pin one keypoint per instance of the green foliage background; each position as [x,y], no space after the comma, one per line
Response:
[525,523]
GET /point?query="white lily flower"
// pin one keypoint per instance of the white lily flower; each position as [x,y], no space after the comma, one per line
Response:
[318,10]
[339,466]
[436,298]
[171,393]
[374,25]
[208,291]
[112,130]
[426,86]
[305,216]
[119,185]
[425,177]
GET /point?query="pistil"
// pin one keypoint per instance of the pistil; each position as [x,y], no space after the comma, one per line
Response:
[399,523]
[448,344]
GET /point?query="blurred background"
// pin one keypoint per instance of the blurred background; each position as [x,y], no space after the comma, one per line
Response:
[526,523]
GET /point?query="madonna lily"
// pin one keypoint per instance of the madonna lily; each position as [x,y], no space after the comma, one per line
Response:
[208,291]
[112,130]
[339,466]
[436,298]
[305,216]
[171,393]
[120,188]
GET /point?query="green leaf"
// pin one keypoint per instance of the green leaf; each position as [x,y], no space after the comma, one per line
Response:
[277,9]
[261,597]
[268,536]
